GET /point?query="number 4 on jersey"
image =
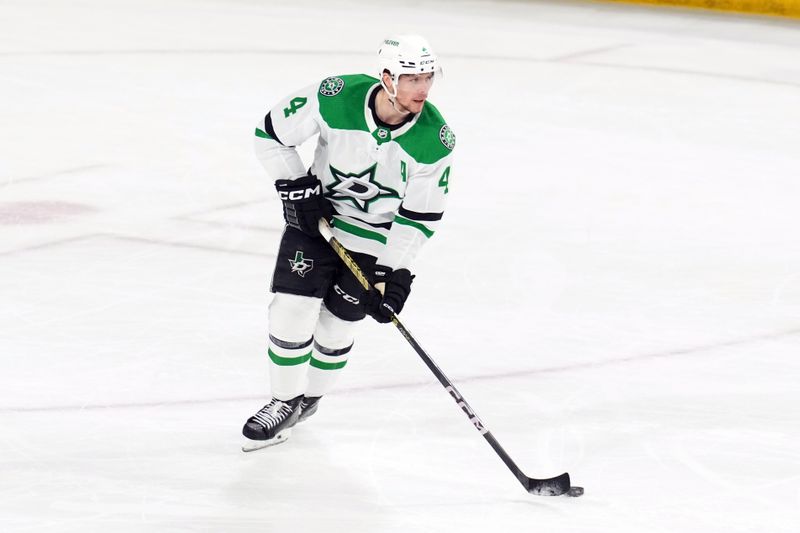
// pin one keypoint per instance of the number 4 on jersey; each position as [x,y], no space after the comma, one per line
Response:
[444,180]
[296,103]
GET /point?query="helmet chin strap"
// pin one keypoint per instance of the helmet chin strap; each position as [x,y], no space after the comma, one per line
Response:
[393,97]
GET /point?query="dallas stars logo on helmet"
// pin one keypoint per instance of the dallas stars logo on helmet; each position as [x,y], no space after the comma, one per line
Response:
[331,86]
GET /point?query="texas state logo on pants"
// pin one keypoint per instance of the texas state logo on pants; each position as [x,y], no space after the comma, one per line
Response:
[300,265]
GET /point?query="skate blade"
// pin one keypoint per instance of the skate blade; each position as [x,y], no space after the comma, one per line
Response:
[251,445]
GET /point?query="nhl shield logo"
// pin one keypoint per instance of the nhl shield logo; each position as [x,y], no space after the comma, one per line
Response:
[331,86]
[300,265]
[382,135]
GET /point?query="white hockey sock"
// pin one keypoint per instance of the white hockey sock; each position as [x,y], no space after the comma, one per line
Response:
[288,366]
[292,320]
[333,340]
[325,368]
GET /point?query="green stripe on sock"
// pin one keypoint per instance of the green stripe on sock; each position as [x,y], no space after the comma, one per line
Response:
[359,232]
[406,222]
[263,134]
[316,363]
[288,361]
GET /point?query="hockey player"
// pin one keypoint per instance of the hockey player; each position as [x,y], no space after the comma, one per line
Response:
[380,176]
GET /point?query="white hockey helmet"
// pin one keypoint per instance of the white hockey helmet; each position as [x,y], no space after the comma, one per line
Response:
[407,54]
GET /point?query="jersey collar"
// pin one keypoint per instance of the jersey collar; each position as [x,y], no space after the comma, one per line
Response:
[372,124]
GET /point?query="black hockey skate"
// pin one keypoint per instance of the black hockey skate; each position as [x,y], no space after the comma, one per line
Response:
[308,406]
[272,424]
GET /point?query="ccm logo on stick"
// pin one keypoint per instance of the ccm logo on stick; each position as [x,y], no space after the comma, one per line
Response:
[464,407]
[299,195]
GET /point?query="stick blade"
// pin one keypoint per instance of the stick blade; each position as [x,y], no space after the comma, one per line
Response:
[554,486]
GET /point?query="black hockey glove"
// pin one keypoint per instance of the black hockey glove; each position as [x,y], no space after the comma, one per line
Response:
[382,307]
[303,203]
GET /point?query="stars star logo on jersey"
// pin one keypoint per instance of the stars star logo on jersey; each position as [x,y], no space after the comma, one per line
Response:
[300,265]
[360,189]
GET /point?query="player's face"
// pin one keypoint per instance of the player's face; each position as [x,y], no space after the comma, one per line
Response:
[412,90]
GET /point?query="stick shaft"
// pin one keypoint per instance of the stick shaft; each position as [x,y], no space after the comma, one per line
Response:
[527,482]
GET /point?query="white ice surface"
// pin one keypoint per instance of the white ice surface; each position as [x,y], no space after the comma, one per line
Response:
[615,288]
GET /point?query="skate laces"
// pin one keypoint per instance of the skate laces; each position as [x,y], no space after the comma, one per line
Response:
[272,414]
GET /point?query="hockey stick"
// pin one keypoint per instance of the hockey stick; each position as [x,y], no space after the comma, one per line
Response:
[554,486]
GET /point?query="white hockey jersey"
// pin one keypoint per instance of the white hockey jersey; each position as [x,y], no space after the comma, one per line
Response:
[388,186]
